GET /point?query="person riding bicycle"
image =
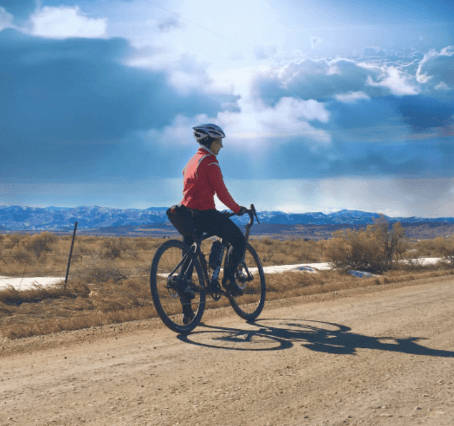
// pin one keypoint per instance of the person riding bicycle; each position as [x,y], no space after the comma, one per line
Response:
[202,179]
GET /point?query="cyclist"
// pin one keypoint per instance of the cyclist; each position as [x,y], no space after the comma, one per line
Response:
[202,179]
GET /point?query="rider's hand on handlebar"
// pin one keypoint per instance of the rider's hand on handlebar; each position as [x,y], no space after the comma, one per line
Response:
[242,211]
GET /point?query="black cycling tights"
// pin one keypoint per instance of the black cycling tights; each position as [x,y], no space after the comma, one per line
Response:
[217,223]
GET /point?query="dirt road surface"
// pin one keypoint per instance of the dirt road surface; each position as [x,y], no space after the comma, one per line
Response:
[376,356]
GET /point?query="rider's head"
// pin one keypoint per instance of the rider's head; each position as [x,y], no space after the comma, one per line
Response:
[206,134]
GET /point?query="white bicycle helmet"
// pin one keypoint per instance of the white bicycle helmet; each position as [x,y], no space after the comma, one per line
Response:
[208,130]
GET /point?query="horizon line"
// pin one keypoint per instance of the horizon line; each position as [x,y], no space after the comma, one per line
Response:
[258,211]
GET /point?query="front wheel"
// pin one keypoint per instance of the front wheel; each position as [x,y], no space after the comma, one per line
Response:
[175,281]
[251,278]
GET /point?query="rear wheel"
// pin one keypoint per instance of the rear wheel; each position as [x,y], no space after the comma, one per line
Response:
[176,297]
[251,278]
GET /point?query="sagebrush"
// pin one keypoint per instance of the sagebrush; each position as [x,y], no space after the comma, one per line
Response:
[109,277]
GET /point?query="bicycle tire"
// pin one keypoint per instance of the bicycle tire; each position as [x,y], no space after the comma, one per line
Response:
[250,304]
[167,299]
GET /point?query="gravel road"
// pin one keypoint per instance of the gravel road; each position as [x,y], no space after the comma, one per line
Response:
[374,356]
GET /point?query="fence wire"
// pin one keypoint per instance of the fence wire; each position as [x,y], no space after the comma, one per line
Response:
[20,262]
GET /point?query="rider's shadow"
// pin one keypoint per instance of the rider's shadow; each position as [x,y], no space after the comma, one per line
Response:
[276,334]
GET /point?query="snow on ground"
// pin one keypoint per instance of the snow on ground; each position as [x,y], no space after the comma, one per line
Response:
[314,267]
[307,267]
[26,283]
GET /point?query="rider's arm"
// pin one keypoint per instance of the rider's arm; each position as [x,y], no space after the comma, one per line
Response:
[216,179]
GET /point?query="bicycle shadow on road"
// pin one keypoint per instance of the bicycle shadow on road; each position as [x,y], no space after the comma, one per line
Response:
[318,336]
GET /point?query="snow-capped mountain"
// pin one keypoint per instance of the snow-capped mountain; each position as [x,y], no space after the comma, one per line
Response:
[88,217]
[93,217]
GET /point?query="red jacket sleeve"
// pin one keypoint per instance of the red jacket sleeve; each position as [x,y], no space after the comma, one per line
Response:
[216,179]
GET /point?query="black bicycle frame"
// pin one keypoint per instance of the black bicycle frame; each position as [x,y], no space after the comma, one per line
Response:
[196,249]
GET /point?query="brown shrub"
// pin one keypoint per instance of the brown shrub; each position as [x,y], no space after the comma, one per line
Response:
[40,243]
[21,255]
[370,250]
[106,287]
[444,247]
[99,274]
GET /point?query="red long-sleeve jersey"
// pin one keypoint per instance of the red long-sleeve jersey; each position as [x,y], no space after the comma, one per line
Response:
[202,179]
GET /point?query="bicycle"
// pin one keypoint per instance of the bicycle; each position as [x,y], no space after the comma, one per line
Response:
[169,280]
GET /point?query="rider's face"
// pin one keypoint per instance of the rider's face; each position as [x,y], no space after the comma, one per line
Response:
[216,145]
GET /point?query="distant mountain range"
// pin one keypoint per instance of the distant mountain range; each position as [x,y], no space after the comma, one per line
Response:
[21,218]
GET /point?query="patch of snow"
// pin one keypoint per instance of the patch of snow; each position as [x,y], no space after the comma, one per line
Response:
[28,283]
[425,260]
[314,267]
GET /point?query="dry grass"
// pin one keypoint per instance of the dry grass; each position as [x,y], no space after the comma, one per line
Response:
[52,309]
[109,281]
[288,252]
[291,284]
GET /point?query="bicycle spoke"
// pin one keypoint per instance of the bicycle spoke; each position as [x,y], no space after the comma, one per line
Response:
[250,277]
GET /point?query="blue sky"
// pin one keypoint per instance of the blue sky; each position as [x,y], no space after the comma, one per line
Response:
[326,105]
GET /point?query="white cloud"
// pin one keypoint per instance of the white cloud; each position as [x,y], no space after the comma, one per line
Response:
[325,78]
[178,133]
[396,81]
[351,97]
[264,52]
[188,74]
[184,73]
[6,19]
[442,86]
[235,80]
[66,22]
[261,126]
[436,69]
[289,118]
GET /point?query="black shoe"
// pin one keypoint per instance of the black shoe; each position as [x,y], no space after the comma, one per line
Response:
[188,313]
[187,291]
[232,287]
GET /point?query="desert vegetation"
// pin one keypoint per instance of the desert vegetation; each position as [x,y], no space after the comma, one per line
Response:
[108,281]
[372,249]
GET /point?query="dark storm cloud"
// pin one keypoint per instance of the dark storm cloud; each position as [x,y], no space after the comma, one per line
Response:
[67,105]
